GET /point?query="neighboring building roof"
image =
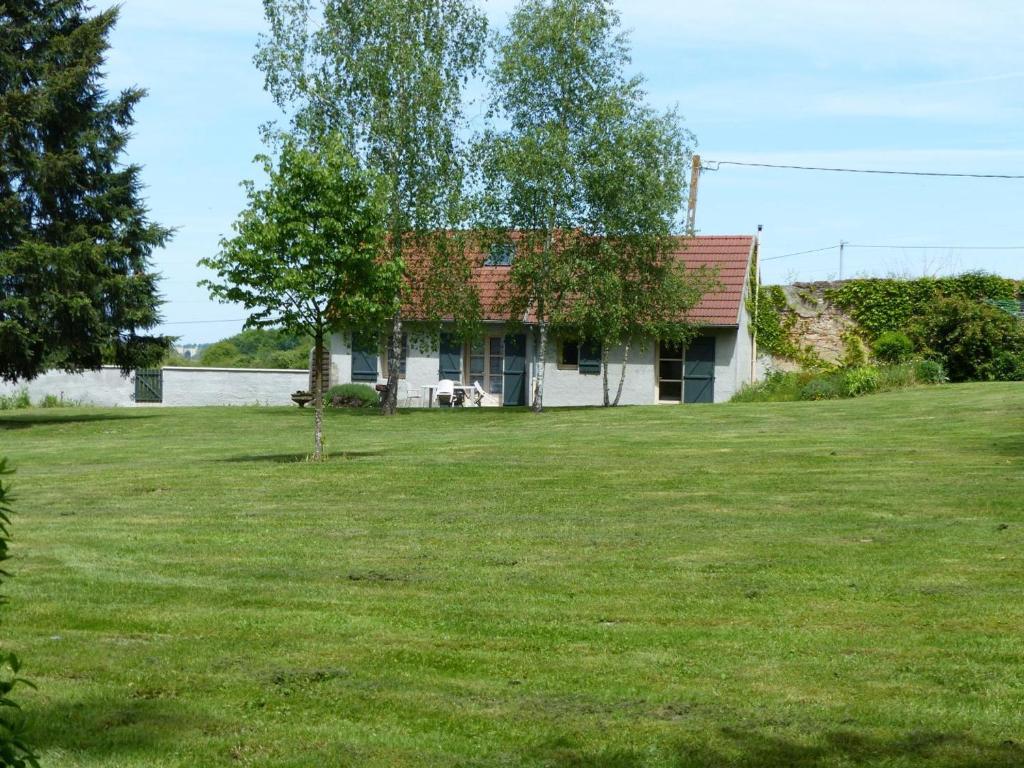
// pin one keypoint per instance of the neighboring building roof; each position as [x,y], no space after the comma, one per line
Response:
[730,254]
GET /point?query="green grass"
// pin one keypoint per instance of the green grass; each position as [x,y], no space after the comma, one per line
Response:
[791,584]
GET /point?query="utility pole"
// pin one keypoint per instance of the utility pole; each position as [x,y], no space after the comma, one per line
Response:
[842,247]
[691,208]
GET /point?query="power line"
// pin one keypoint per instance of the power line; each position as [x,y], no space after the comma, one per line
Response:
[946,247]
[801,253]
[200,323]
[906,247]
[719,163]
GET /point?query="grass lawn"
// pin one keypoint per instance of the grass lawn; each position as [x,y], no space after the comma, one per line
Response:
[794,584]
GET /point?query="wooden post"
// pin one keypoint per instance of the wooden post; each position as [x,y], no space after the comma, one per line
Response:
[691,208]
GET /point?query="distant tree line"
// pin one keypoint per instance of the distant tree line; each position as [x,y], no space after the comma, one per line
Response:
[252,348]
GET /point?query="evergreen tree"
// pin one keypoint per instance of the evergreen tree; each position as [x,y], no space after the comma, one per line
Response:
[75,241]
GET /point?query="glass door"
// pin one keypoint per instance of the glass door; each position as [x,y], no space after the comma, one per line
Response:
[486,359]
[670,372]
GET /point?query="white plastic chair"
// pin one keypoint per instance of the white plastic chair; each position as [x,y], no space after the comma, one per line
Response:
[445,392]
[478,394]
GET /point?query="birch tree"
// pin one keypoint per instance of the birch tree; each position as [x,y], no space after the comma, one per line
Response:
[557,60]
[305,255]
[631,283]
[387,75]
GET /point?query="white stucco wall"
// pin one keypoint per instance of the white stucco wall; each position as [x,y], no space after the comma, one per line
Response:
[231,386]
[105,387]
[569,387]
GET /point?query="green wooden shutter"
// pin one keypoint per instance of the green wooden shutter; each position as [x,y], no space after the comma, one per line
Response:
[450,362]
[364,357]
[514,370]
[590,357]
[699,371]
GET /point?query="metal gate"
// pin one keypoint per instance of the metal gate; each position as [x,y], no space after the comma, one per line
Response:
[149,386]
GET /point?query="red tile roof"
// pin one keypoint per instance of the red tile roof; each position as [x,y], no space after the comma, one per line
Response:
[729,254]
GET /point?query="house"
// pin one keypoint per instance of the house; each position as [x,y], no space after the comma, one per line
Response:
[506,362]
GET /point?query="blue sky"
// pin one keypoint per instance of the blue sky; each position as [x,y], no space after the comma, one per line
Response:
[929,85]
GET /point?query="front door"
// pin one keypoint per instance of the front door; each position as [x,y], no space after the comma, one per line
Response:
[699,371]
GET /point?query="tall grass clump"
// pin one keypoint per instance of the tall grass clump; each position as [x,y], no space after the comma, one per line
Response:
[779,387]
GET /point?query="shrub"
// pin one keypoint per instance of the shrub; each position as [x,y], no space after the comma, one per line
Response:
[1008,366]
[977,342]
[18,400]
[860,381]
[822,388]
[351,396]
[14,751]
[893,347]
[929,372]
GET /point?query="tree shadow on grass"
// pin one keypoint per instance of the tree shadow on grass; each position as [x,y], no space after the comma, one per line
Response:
[751,749]
[846,747]
[1012,445]
[300,458]
[29,420]
[107,725]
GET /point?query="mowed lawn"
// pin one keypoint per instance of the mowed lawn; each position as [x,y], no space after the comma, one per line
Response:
[804,584]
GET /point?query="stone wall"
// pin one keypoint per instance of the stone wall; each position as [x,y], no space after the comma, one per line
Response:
[819,327]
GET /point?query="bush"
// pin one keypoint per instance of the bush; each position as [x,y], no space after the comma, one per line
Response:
[977,342]
[929,372]
[14,751]
[1008,366]
[860,381]
[893,347]
[351,396]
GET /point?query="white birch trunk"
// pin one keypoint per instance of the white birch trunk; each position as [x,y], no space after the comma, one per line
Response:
[622,375]
[318,398]
[389,404]
[604,374]
[538,395]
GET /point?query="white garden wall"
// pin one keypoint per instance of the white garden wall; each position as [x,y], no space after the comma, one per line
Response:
[105,387]
[231,386]
[181,387]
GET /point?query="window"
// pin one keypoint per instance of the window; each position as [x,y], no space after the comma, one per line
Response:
[405,356]
[568,354]
[582,356]
[501,255]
